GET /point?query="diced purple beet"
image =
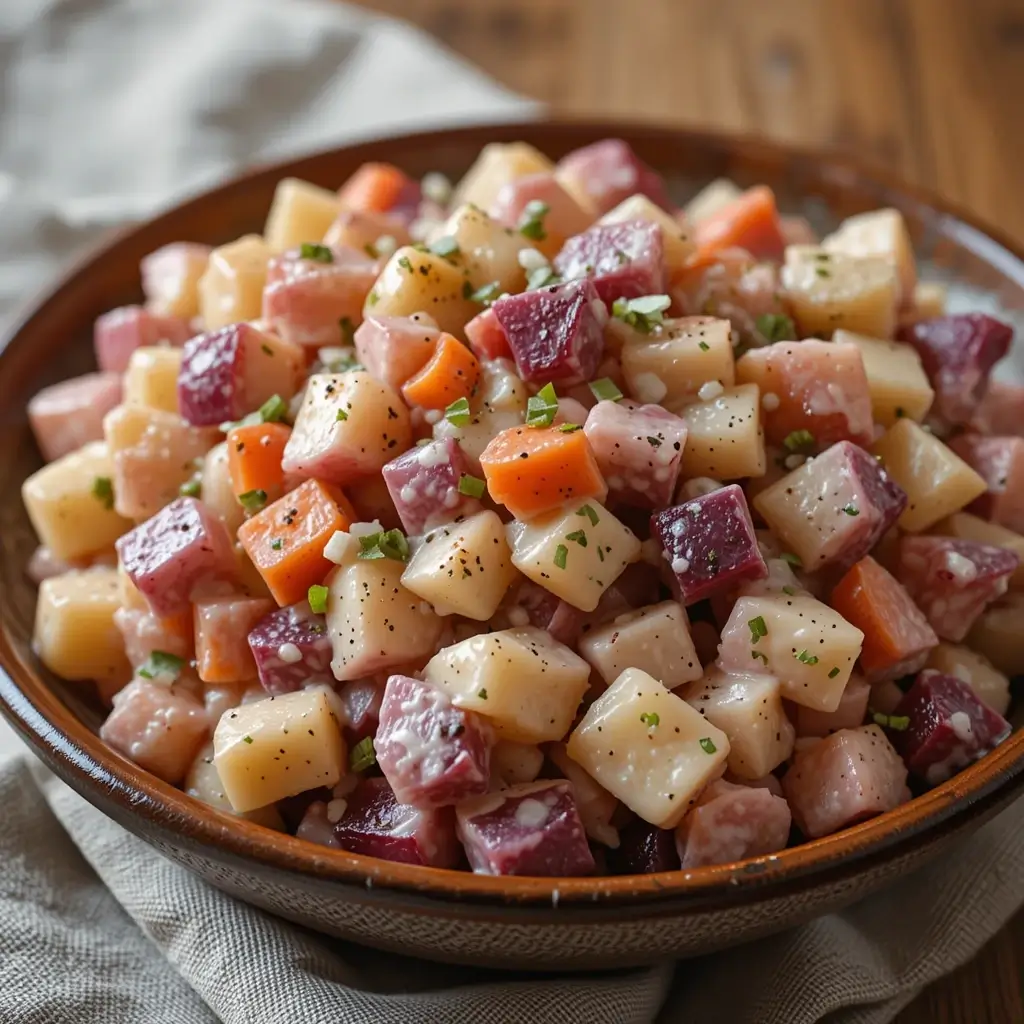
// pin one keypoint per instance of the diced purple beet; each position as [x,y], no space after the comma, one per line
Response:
[624,260]
[361,699]
[291,648]
[709,543]
[377,825]
[607,172]
[949,727]
[424,485]
[952,581]
[530,829]
[639,450]
[958,353]
[556,334]
[644,849]
[120,332]
[1000,461]
[183,545]
[431,752]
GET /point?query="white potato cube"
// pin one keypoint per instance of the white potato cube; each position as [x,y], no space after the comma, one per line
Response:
[75,635]
[748,709]
[152,378]
[711,198]
[809,647]
[231,288]
[669,365]
[300,212]
[897,381]
[543,551]
[880,233]
[649,748]
[514,763]
[937,481]
[498,164]
[217,491]
[528,685]
[970,527]
[278,747]
[203,783]
[595,804]
[724,437]
[830,290]
[990,685]
[487,250]
[463,568]
[71,503]
[676,239]
[997,634]
[655,639]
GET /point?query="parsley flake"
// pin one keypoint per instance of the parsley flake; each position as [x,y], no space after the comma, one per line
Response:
[898,723]
[799,440]
[274,409]
[317,597]
[851,510]
[758,628]
[458,414]
[253,501]
[531,220]
[386,544]
[650,719]
[561,554]
[318,253]
[605,390]
[806,659]
[707,745]
[644,313]
[775,327]
[445,246]
[486,294]
[103,491]
[362,755]
[542,407]
[472,486]
[834,672]
[160,663]
[578,536]
[588,511]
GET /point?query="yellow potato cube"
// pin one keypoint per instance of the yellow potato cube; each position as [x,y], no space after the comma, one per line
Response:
[969,527]
[231,288]
[152,378]
[989,684]
[514,763]
[897,382]
[880,233]
[203,783]
[676,239]
[488,251]
[300,212]
[724,438]
[498,164]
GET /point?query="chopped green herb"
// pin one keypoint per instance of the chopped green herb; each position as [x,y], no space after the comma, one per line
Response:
[348,331]
[274,409]
[340,416]
[605,390]
[266,349]
[806,659]
[650,719]
[373,298]
[898,723]
[833,672]
[486,294]
[703,345]
[386,544]
[758,628]
[569,428]
[317,597]
[319,253]
[561,554]
[851,510]
[542,407]
[160,663]
[276,544]
[822,272]
[789,591]
[531,220]
[793,560]
[799,440]
[405,263]
[247,739]
[578,536]
[253,501]
[759,654]
[362,755]
[191,488]
[103,491]
[482,693]
[712,556]
[642,314]
[472,486]
[458,414]
[445,246]
[775,327]
[541,277]
[588,511]
[707,745]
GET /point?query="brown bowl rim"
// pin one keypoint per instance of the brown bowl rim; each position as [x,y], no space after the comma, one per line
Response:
[103,777]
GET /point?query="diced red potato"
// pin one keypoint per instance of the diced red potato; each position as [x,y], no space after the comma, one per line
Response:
[850,776]
[563,219]
[120,332]
[850,713]
[160,728]
[181,546]
[222,626]
[950,727]
[1002,412]
[730,823]
[958,353]
[605,173]
[530,829]
[486,336]
[364,229]
[639,451]
[556,334]
[644,849]
[424,485]
[530,605]
[145,633]
[989,684]
[68,415]
[1000,461]
[170,278]
[376,824]
[395,348]
[623,260]
[885,696]
[430,751]
[952,581]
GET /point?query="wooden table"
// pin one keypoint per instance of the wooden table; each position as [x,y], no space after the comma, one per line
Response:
[930,88]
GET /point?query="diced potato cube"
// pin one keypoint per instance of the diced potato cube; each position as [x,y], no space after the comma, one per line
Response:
[828,291]
[497,164]
[655,640]
[278,747]
[880,233]
[217,491]
[969,527]
[748,709]
[724,438]
[527,684]
[897,382]
[711,198]
[514,763]
[676,239]
[929,300]
[998,635]
[989,684]
[577,552]
[231,288]
[71,503]
[413,281]
[937,481]
[649,748]
[669,365]
[203,783]
[75,635]
[596,806]
[488,250]
[463,568]
[808,646]
[170,278]
[152,378]
[300,212]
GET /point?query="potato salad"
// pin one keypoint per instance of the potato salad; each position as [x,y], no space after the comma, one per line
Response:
[534,525]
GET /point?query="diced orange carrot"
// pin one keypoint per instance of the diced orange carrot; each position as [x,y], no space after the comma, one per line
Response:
[750,221]
[222,626]
[896,634]
[375,188]
[254,457]
[532,470]
[452,372]
[286,539]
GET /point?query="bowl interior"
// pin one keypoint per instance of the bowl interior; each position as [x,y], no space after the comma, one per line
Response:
[53,342]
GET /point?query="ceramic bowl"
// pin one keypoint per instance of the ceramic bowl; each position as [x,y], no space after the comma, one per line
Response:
[538,923]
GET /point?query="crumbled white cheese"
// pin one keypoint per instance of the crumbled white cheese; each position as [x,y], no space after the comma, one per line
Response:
[649,387]
[365,529]
[962,568]
[680,565]
[532,259]
[710,390]
[432,455]
[770,401]
[531,813]
[698,486]
[289,654]
[795,460]
[336,810]
[336,550]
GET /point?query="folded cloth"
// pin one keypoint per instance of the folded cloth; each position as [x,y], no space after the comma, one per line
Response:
[112,110]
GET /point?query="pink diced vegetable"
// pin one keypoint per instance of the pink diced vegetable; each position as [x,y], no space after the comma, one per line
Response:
[644,849]
[291,649]
[222,626]
[424,485]
[361,699]
[639,450]
[145,633]
[486,337]
[168,274]
[623,260]
[948,729]
[1002,412]
[608,172]
[529,604]
[709,543]
[530,829]
[364,229]
[958,353]
[376,824]
[798,231]
[563,218]
[431,752]
[953,581]
[160,728]
[730,823]
[68,415]
[183,545]
[556,334]
[1000,461]
[120,332]
[851,711]
[395,348]
[852,775]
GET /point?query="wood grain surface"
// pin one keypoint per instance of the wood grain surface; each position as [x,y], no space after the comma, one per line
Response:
[930,88]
